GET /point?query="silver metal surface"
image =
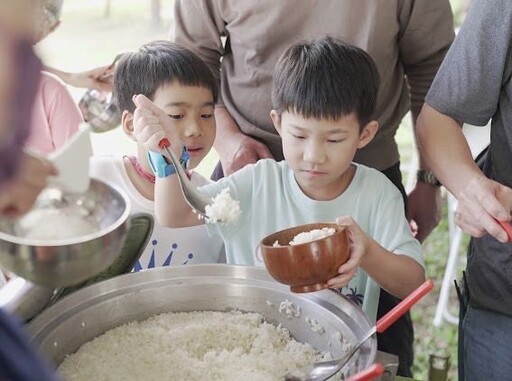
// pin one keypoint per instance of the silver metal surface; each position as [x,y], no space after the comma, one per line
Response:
[23,298]
[63,262]
[99,110]
[326,369]
[195,199]
[78,318]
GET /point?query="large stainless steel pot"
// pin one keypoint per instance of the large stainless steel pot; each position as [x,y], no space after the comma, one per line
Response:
[78,318]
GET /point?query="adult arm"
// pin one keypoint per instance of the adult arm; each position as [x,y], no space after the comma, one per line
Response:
[427,33]
[469,88]
[234,148]
[99,78]
[480,200]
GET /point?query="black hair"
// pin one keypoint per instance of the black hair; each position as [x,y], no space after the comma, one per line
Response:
[155,64]
[326,79]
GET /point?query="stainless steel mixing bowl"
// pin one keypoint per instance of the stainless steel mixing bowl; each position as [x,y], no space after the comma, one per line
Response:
[78,318]
[63,262]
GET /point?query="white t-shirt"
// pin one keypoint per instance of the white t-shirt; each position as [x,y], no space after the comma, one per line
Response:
[271,200]
[166,247]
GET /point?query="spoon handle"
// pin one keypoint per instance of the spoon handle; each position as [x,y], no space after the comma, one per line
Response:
[401,308]
[368,374]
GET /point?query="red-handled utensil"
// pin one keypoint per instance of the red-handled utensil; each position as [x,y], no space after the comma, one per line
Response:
[326,369]
[507,226]
[368,374]
[195,199]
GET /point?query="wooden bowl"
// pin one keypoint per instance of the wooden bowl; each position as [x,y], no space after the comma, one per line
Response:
[305,267]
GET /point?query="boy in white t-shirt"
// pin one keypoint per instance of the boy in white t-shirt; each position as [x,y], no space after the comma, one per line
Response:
[324,94]
[180,83]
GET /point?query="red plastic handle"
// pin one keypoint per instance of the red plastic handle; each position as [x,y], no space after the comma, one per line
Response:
[401,308]
[368,374]
[164,143]
[507,226]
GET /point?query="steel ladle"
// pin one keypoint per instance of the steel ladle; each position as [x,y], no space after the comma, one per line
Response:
[323,370]
[195,199]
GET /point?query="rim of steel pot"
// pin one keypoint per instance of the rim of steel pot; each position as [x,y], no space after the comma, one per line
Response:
[87,313]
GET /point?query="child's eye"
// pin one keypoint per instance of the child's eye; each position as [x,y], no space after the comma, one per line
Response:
[207,116]
[334,140]
[176,116]
[298,136]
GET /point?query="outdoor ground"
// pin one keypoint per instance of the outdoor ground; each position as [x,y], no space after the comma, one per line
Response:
[87,39]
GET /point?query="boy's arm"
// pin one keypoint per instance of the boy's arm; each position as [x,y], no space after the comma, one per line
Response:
[397,274]
[150,125]
[171,209]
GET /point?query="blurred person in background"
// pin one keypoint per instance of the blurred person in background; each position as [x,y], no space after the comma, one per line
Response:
[241,42]
[472,86]
[21,177]
[55,115]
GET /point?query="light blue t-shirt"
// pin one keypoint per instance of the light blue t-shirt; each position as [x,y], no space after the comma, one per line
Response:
[271,200]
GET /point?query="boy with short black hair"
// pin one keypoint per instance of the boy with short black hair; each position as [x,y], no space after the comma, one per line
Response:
[176,80]
[324,94]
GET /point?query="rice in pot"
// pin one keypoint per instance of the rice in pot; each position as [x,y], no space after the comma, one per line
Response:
[191,346]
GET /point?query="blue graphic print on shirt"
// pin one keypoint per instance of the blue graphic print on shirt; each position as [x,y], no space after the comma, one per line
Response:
[354,296]
[167,262]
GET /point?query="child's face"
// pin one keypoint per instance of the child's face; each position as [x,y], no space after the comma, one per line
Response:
[191,108]
[320,152]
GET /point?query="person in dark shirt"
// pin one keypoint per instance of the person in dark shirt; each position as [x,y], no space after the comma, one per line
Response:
[473,86]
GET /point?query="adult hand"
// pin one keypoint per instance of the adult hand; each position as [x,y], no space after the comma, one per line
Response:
[480,203]
[235,149]
[424,209]
[18,195]
[242,150]
[358,241]
[99,78]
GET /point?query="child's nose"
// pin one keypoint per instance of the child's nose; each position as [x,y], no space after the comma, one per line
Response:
[193,129]
[314,153]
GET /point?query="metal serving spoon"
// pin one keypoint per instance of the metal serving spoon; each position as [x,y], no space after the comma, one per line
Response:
[195,199]
[326,369]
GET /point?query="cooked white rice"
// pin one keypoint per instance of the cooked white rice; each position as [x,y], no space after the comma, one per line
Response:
[223,208]
[191,346]
[49,224]
[312,235]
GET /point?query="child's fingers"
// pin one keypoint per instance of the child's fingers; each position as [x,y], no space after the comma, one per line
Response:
[341,280]
[348,266]
[141,101]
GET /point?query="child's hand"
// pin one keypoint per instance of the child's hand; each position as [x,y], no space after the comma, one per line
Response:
[358,241]
[151,124]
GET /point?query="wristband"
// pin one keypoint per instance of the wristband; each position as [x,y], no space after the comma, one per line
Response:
[161,167]
[427,177]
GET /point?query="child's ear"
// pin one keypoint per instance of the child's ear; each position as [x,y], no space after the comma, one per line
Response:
[367,133]
[127,124]
[276,119]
